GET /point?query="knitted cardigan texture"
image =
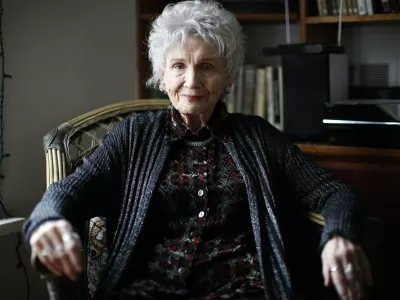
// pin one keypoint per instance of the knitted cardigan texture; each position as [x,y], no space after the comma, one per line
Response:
[119,179]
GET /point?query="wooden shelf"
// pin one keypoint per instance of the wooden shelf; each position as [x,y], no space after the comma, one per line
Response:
[265,17]
[355,153]
[353,19]
[241,17]
[148,17]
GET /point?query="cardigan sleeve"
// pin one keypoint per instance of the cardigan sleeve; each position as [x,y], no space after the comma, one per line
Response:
[88,191]
[317,190]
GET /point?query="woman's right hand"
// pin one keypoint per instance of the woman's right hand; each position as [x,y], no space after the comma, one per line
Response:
[57,246]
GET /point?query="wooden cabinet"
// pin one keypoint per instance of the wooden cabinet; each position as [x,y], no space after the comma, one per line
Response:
[376,174]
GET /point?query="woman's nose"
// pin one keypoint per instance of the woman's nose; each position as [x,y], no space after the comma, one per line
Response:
[192,78]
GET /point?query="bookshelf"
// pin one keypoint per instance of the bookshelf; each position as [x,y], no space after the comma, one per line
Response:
[353,19]
[315,28]
[241,17]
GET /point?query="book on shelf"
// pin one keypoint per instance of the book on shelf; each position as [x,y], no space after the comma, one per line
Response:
[356,7]
[258,91]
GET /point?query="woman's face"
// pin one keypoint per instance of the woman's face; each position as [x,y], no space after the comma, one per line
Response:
[194,77]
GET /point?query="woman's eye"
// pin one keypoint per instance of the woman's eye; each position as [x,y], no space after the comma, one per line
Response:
[207,66]
[177,66]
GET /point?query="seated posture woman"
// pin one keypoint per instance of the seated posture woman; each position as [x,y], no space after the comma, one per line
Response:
[194,196]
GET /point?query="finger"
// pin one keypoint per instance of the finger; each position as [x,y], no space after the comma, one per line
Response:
[326,271]
[61,253]
[35,240]
[58,257]
[352,271]
[339,259]
[327,274]
[360,291]
[366,267]
[44,253]
[56,247]
[71,245]
[360,273]
[61,256]
[340,284]
[67,265]
[350,276]
[356,283]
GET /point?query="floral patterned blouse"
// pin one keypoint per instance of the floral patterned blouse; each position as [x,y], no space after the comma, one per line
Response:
[197,241]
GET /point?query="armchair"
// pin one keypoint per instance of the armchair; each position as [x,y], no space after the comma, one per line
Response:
[65,147]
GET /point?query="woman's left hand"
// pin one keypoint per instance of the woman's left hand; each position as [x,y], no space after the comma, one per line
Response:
[346,266]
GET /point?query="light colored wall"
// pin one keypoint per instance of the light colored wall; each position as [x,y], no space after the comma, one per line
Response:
[66,57]
[260,36]
[375,44]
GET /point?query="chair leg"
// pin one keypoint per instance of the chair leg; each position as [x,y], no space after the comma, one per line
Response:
[53,288]
[57,287]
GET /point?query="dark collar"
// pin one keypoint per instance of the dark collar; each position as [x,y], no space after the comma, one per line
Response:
[216,126]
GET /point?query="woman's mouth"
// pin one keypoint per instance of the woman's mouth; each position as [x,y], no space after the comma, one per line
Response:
[192,97]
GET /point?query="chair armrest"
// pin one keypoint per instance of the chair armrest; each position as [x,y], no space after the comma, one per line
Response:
[57,286]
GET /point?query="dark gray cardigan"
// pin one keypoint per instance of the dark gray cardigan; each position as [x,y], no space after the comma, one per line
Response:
[119,179]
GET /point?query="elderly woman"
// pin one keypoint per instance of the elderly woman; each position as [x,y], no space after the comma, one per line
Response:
[194,197]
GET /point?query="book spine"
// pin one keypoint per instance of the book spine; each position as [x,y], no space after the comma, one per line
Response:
[335,7]
[350,7]
[386,6]
[369,7]
[345,7]
[281,98]
[275,83]
[355,7]
[231,99]
[324,7]
[362,9]
[330,8]
[240,91]
[320,9]
[270,96]
[259,103]
[249,79]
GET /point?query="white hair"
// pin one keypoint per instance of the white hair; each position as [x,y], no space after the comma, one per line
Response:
[205,19]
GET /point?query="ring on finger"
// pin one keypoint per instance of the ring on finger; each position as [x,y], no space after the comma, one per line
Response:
[348,268]
[59,249]
[70,237]
[333,269]
[44,253]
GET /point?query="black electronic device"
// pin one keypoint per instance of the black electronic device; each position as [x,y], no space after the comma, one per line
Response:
[286,49]
[365,123]
[312,76]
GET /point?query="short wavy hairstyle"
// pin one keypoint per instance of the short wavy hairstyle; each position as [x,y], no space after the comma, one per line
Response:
[205,19]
